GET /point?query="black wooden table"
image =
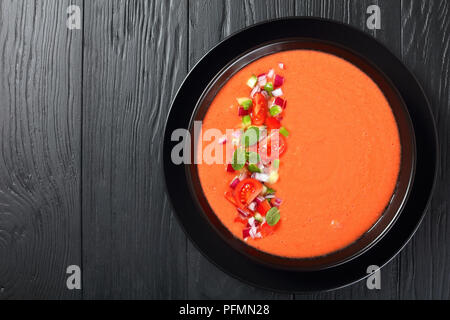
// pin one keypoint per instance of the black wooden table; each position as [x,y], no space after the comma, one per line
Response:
[82,114]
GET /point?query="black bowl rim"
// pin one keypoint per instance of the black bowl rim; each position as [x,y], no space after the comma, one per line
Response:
[351,272]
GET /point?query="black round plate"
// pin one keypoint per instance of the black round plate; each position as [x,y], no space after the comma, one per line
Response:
[236,262]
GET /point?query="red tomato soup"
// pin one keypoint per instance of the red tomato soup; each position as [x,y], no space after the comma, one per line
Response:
[342,157]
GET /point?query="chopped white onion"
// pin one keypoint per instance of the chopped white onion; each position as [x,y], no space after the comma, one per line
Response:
[277,92]
[243,175]
[253,232]
[281,65]
[261,177]
[271,73]
[262,81]
[252,206]
[222,140]
[255,90]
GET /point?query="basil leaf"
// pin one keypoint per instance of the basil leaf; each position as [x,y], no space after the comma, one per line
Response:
[252,157]
[238,159]
[273,216]
[250,137]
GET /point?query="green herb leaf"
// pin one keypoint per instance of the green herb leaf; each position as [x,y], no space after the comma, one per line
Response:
[284,132]
[275,110]
[269,87]
[273,216]
[276,164]
[246,120]
[254,168]
[238,159]
[252,157]
[250,137]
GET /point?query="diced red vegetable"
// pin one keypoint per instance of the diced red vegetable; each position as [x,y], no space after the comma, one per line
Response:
[241,220]
[230,168]
[246,191]
[279,102]
[246,233]
[276,202]
[273,123]
[259,110]
[242,112]
[223,140]
[266,230]
[263,207]
[234,182]
[243,213]
[230,198]
[259,199]
[265,94]
[278,81]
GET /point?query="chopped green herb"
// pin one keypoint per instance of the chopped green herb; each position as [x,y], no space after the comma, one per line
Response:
[273,216]
[246,103]
[284,131]
[270,190]
[250,137]
[253,168]
[264,190]
[276,163]
[275,110]
[252,157]
[259,217]
[246,120]
[269,87]
[238,159]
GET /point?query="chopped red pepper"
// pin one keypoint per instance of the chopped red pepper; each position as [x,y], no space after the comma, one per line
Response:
[263,207]
[230,198]
[266,230]
[273,123]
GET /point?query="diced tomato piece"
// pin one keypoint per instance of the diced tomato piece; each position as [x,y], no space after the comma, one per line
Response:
[263,207]
[270,144]
[246,191]
[266,230]
[230,198]
[259,109]
[273,123]
[241,220]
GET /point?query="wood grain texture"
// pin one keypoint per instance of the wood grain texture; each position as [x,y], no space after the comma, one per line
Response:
[209,23]
[353,12]
[134,60]
[40,90]
[425,271]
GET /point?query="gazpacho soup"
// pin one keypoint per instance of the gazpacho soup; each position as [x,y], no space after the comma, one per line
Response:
[311,154]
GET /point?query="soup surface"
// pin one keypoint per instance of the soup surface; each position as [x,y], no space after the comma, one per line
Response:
[341,163]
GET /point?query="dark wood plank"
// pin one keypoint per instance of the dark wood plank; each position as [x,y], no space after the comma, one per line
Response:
[134,60]
[426,41]
[210,22]
[40,108]
[354,13]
